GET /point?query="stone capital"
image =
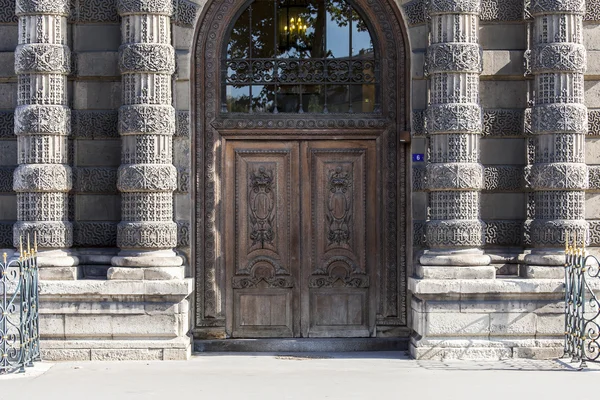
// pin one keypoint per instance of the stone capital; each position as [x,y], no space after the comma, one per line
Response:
[454,57]
[559,57]
[452,176]
[454,118]
[559,176]
[42,119]
[147,57]
[559,118]
[146,119]
[39,58]
[147,177]
[147,235]
[42,178]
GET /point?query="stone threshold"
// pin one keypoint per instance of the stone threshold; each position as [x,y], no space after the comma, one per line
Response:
[301,345]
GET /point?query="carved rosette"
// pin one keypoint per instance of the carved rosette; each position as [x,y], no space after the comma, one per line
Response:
[42,124]
[559,122]
[146,177]
[454,123]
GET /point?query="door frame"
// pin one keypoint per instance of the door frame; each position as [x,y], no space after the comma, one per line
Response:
[210,127]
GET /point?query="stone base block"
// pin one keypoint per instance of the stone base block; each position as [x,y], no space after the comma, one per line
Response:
[542,272]
[115,320]
[149,273]
[137,261]
[116,350]
[59,273]
[488,350]
[455,272]
[466,258]
[486,318]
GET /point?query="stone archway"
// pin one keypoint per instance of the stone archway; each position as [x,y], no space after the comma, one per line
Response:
[217,133]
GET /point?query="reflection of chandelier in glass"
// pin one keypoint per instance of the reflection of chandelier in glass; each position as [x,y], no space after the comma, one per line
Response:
[293,24]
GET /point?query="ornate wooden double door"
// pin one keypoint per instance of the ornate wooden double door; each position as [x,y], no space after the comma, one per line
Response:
[302,238]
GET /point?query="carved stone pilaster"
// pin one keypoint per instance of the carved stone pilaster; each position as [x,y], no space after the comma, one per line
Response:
[559,124]
[146,178]
[454,121]
[42,123]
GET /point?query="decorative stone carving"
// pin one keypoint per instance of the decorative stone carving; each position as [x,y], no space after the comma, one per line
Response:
[418,233]
[504,233]
[183,234]
[92,124]
[503,122]
[6,179]
[559,121]
[7,124]
[415,12]
[182,124]
[146,177]
[42,123]
[419,178]
[559,176]
[146,119]
[185,13]
[594,177]
[454,7]
[592,10]
[454,57]
[147,57]
[593,122]
[96,11]
[448,118]
[159,7]
[501,10]
[454,124]
[418,122]
[95,234]
[95,180]
[59,8]
[503,178]
[441,176]
[7,12]
[540,7]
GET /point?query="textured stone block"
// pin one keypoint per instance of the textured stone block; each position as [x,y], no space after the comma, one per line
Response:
[450,324]
[94,234]
[94,124]
[550,324]
[95,180]
[97,153]
[7,64]
[538,353]
[503,151]
[519,324]
[52,326]
[592,93]
[8,207]
[503,94]
[93,37]
[90,64]
[591,37]
[593,61]
[182,95]
[415,12]
[126,354]
[592,151]
[98,208]
[502,63]
[146,326]
[419,205]
[592,205]
[418,37]
[454,272]
[88,326]
[89,95]
[504,122]
[503,205]
[8,95]
[65,354]
[501,10]
[419,94]
[183,37]
[97,11]
[417,61]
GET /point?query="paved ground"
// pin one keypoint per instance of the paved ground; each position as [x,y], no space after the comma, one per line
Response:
[304,376]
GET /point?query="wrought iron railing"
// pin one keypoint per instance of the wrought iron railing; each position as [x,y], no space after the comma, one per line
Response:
[582,308]
[19,316]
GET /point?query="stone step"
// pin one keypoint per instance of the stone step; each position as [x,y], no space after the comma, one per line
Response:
[302,345]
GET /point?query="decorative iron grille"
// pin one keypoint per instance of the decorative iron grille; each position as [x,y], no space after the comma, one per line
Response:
[582,307]
[19,315]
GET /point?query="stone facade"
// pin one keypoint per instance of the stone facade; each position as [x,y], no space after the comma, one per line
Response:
[96,159]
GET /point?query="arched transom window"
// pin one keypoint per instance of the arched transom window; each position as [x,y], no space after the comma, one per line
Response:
[296,56]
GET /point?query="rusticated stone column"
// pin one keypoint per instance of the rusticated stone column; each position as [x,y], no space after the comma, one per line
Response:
[559,174]
[455,231]
[42,123]
[147,178]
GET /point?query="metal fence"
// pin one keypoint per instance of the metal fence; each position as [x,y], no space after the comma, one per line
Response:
[19,318]
[582,308]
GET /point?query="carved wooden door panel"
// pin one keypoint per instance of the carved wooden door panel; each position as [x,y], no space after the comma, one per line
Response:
[340,242]
[261,250]
[301,245]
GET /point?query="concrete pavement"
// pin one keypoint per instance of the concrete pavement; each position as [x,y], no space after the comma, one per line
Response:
[388,375]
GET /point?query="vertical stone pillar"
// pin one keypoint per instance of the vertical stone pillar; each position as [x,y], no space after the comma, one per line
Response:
[455,231]
[42,124]
[559,174]
[147,178]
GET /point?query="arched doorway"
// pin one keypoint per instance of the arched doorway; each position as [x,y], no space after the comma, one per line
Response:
[301,189]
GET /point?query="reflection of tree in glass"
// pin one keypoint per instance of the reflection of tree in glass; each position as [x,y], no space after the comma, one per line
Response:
[258,34]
